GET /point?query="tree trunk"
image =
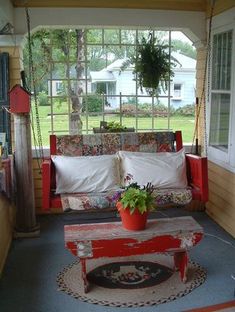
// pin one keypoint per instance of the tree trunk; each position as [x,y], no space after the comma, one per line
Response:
[75,92]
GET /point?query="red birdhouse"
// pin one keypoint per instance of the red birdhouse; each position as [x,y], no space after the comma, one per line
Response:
[19,100]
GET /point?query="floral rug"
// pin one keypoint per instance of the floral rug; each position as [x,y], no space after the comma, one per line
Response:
[129,281]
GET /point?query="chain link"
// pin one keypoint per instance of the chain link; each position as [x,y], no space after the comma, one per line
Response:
[203,98]
[32,85]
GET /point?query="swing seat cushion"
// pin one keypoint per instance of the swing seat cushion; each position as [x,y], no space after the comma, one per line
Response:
[104,200]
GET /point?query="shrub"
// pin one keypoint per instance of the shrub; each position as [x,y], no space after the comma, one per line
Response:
[43,99]
[187,110]
[128,109]
[93,103]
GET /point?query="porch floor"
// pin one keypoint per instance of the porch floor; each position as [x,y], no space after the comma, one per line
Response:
[28,282]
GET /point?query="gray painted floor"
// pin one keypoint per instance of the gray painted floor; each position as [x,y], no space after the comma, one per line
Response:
[28,283]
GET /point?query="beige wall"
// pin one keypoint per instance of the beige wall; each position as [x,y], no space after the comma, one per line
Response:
[7,210]
[37,186]
[200,79]
[6,228]
[221,205]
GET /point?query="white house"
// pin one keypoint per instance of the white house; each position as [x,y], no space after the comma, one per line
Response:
[116,83]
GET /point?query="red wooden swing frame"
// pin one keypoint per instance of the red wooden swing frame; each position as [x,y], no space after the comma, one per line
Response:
[196,167]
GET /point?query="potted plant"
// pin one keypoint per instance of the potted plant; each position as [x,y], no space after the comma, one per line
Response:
[152,65]
[133,203]
[112,126]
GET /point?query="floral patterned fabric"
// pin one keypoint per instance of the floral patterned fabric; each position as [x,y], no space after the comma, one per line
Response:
[91,201]
[110,143]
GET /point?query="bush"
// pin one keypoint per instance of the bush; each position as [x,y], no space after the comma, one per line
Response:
[187,110]
[43,99]
[128,109]
[93,103]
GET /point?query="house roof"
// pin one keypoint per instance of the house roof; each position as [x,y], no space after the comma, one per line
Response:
[116,65]
[102,75]
[106,74]
[185,61]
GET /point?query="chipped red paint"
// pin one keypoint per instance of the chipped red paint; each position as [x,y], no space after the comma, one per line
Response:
[174,235]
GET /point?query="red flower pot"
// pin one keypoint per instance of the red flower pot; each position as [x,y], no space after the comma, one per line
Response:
[133,222]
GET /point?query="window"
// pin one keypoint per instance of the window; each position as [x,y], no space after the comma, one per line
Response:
[221,131]
[87,63]
[177,91]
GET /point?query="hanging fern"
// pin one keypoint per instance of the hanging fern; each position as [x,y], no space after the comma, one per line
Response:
[152,65]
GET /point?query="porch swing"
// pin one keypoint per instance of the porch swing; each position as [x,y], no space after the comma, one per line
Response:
[108,144]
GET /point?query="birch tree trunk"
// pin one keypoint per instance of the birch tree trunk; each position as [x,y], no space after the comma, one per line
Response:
[75,124]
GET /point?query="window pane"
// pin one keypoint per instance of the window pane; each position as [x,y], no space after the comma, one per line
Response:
[95,83]
[219,121]
[221,60]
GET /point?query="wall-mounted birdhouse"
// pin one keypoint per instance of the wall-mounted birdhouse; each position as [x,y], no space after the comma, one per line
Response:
[19,100]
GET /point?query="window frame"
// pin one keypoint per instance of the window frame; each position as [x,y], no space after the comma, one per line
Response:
[225,159]
[58,125]
[177,98]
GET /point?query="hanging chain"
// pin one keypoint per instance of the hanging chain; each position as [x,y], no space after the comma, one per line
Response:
[203,99]
[208,78]
[32,85]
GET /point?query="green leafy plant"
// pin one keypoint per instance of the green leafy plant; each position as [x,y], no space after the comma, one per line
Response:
[134,197]
[152,65]
[43,99]
[114,126]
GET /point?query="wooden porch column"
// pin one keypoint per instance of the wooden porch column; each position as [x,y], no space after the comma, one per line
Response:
[26,225]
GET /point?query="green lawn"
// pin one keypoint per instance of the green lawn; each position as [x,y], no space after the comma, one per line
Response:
[60,124]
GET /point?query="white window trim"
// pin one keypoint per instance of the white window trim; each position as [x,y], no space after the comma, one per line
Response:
[219,157]
[177,98]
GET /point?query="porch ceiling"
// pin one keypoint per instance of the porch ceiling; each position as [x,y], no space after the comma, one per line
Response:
[182,5]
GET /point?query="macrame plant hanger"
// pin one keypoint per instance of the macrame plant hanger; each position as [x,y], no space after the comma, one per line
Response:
[32,85]
[201,101]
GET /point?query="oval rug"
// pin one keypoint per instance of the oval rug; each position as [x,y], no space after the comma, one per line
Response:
[130,283]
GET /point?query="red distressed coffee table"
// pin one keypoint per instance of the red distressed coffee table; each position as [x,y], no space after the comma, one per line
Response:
[97,240]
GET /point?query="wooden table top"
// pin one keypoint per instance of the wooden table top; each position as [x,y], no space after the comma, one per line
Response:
[112,230]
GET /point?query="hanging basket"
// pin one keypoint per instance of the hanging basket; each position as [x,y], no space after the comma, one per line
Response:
[133,222]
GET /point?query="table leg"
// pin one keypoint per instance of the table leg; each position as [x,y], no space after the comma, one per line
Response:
[181,264]
[84,277]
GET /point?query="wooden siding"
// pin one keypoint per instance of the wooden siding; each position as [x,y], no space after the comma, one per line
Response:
[221,205]
[37,185]
[200,72]
[7,210]
[189,5]
[7,217]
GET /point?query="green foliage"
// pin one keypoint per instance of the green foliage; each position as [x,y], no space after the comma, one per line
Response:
[146,109]
[43,99]
[101,88]
[185,48]
[114,126]
[130,100]
[135,197]
[187,110]
[152,65]
[93,103]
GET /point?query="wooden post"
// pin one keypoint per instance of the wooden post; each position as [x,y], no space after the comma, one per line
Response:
[26,225]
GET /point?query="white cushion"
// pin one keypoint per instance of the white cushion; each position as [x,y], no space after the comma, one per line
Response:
[84,174]
[164,170]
